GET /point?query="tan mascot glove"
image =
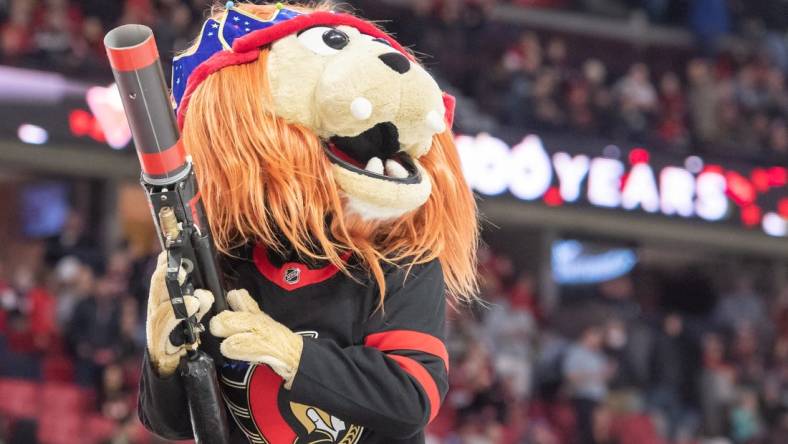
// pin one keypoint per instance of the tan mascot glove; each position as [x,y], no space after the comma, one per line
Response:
[253,336]
[164,355]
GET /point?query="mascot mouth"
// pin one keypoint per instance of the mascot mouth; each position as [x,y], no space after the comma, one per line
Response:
[374,153]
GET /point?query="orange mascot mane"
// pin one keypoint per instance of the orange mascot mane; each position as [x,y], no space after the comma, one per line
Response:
[263,178]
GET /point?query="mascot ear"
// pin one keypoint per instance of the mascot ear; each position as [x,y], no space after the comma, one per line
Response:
[450,103]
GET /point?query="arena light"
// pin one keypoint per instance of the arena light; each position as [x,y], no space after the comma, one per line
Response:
[32,134]
[106,106]
[693,164]
[572,265]
[775,225]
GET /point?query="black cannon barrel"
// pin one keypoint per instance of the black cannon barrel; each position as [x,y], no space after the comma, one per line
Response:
[135,63]
[173,194]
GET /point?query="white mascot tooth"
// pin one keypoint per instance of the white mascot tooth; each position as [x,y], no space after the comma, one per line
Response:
[375,165]
[435,122]
[394,169]
[361,108]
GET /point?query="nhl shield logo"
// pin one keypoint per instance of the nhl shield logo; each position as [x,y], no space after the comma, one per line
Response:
[292,275]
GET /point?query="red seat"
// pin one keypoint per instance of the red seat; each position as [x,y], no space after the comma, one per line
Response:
[58,368]
[99,429]
[444,423]
[18,398]
[635,429]
[61,428]
[59,397]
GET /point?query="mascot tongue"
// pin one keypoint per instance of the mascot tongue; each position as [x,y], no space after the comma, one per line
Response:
[344,157]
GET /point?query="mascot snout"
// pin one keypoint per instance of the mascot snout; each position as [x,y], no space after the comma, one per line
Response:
[375,109]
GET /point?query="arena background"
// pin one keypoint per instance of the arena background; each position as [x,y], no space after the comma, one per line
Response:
[629,158]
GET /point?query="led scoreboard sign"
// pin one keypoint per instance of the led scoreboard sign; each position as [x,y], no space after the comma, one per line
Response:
[557,169]
[633,180]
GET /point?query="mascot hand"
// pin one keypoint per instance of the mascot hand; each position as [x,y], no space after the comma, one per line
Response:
[253,336]
[165,355]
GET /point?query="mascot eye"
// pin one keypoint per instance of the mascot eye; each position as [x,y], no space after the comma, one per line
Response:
[336,39]
[323,40]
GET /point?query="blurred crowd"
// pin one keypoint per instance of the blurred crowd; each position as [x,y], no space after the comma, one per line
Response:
[617,365]
[67,36]
[732,108]
[728,102]
[72,323]
[694,360]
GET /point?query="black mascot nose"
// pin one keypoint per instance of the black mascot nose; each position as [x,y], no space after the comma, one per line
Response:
[396,61]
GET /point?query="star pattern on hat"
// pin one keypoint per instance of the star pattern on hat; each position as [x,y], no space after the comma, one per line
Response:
[217,36]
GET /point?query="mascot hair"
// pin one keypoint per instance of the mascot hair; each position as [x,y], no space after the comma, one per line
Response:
[264,179]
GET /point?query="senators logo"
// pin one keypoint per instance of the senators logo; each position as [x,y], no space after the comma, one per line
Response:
[260,406]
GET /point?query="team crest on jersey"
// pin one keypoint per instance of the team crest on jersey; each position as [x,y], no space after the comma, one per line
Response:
[260,406]
[292,275]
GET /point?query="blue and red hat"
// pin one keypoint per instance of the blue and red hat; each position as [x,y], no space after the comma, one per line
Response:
[236,38]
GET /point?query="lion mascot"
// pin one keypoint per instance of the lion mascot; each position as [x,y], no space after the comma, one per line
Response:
[334,190]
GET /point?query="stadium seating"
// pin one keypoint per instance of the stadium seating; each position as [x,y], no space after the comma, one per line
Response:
[20,398]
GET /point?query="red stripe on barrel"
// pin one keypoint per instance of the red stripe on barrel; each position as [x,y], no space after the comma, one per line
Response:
[135,57]
[162,163]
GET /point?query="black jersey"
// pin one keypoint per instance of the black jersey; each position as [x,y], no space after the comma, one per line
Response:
[367,375]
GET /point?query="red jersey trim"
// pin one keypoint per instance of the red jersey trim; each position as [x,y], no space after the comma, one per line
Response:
[409,340]
[291,275]
[424,379]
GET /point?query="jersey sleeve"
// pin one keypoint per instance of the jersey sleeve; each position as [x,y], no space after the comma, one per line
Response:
[162,406]
[395,382]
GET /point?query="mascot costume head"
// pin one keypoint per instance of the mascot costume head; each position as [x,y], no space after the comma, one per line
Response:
[316,132]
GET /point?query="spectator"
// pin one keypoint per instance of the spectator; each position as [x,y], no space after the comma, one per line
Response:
[718,387]
[671,383]
[778,141]
[702,100]
[672,112]
[114,400]
[511,327]
[745,419]
[94,332]
[73,282]
[54,36]
[595,74]
[587,372]
[30,321]
[637,90]
[15,34]
[742,306]
[73,240]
